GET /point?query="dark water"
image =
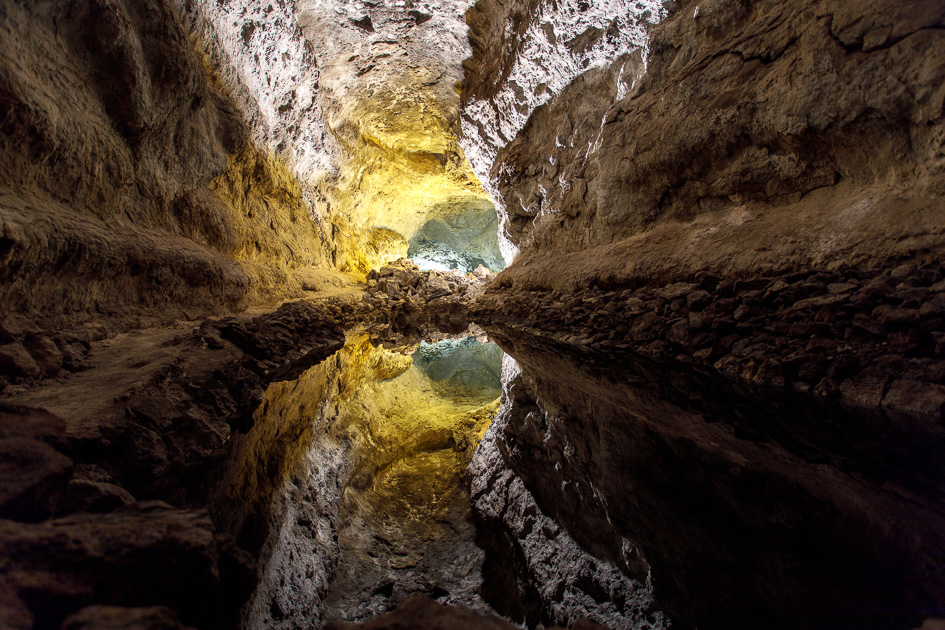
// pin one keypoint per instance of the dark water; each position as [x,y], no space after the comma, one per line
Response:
[742,508]
[754,509]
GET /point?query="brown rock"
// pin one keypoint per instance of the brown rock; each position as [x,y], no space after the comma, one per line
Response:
[29,422]
[147,554]
[865,390]
[895,318]
[420,612]
[15,361]
[33,477]
[916,405]
[46,354]
[934,306]
[120,618]
[83,495]
[698,300]
[674,291]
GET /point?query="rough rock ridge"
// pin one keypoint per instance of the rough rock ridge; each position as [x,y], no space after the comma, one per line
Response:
[726,309]
[526,53]
[762,135]
[131,186]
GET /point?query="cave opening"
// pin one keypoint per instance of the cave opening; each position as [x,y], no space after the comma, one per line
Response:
[459,240]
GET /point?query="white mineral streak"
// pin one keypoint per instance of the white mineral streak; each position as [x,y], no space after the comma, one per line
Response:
[543,68]
[553,560]
[257,49]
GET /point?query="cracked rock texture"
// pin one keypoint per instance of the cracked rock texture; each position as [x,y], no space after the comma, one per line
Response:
[535,572]
[389,73]
[764,134]
[525,54]
[132,188]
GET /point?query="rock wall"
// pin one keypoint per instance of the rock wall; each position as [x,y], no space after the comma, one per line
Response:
[256,53]
[727,296]
[762,135]
[525,54]
[132,187]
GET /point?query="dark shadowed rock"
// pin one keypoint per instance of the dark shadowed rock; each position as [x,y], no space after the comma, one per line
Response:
[121,618]
[33,477]
[420,612]
[83,495]
[142,555]
[16,362]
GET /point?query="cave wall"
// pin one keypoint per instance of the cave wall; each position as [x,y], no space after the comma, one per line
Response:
[737,220]
[133,186]
[388,85]
[524,54]
[762,135]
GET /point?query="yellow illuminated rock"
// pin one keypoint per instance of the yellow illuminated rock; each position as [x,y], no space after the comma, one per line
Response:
[396,174]
[374,401]
[390,100]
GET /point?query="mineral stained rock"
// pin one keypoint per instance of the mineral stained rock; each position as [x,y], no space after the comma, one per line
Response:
[727,307]
[728,271]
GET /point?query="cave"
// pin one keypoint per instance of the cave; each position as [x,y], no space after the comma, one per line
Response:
[480,314]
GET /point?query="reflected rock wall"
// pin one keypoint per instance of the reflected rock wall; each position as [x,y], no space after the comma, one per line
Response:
[372,508]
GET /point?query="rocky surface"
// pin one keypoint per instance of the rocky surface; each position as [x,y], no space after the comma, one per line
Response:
[761,137]
[763,511]
[156,414]
[411,305]
[387,82]
[258,56]
[525,54]
[132,188]
[823,388]
[870,340]
[54,569]
[424,613]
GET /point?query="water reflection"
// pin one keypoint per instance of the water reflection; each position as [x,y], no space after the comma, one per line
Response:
[404,522]
[372,506]
[753,509]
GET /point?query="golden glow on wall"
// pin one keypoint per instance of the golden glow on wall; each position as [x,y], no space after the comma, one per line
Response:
[401,164]
[376,401]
